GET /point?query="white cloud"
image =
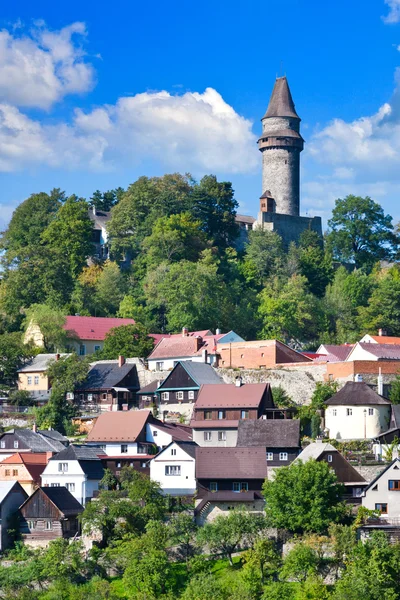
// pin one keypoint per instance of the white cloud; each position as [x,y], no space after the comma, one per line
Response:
[394,12]
[40,68]
[192,131]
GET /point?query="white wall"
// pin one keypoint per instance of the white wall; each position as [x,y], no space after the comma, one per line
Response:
[182,484]
[74,475]
[157,436]
[230,442]
[114,449]
[359,353]
[168,363]
[359,425]
[383,495]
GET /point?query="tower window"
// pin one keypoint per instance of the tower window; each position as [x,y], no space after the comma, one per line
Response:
[285,162]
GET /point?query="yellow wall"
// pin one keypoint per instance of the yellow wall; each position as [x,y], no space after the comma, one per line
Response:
[89,346]
[24,385]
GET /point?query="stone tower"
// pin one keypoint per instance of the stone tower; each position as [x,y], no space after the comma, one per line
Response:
[281,144]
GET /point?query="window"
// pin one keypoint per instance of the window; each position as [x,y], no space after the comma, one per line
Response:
[155,432]
[394,485]
[349,412]
[179,395]
[244,414]
[15,472]
[370,412]
[3,444]
[63,467]
[221,436]
[207,436]
[90,397]
[173,451]
[283,456]
[70,486]
[159,366]
[142,464]
[82,350]
[7,472]
[96,348]
[207,415]
[32,524]
[221,414]
[240,486]
[191,395]
[15,444]
[124,448]
[141,449]
[118,465]
[36,380]
[329,457]
[173,470]
[270,456]
[334,412]
[54,485]
[165,396]
[213,486]
[103,396]
[70,395]
[49,525]
[29,380]
[382,507]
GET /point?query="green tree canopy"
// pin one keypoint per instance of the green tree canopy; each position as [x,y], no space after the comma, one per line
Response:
[104,201]
[264,256]
[127,340]
[13,353]
[50,321]
[383,309]
[304,497]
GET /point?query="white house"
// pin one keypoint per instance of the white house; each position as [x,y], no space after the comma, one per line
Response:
[78,468]
[356,412]
[383,493]
[374,352]
[174,469]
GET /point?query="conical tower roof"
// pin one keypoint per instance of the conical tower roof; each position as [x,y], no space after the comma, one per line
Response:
[281,102]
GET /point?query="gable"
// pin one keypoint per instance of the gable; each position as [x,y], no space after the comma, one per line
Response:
[179,378]
[345,472]
[40,506]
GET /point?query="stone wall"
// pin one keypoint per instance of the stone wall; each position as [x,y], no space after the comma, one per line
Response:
[369,472]
[289,227]
[281,176]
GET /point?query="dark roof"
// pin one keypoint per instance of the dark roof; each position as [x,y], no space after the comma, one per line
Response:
[281,102]
[74,452]
[280,133]
[93,469]
[200,373]
[188,447]
[271,433]
[52,434]
[37,442]
[381,473]
[266,194]
[395,420]
[40,362]
[105,376]
[62,499]
[150,388]
[244,219]
[356,393]
[231,463]
[227,496]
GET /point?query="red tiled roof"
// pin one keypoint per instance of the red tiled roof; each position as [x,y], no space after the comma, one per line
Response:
[231,463]
[93,328]
[386,339]
[248,395]
[120,426]
[35,463]
[178,346]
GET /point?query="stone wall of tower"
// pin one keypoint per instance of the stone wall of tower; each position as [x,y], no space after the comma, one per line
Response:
[281,176]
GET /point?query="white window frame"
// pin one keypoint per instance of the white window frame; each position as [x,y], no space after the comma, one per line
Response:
[160,365]
[2,444]
[191,395]
[221,415]
[70,486]
[29,380]
[164,395]
[329,458]
[213,486]
[16,444]
[240,486]
[173,451]
[63,467]
[54,484]
[36,380]
[270,456]
[207,436]
[370,412]
[124,448]
[173,470]
[222,436]
[349,412]
[243,414]
[334,412]
[179,395]
[283,455]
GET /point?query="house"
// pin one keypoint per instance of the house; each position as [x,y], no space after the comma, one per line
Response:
[87,333]
[334,353]
[383,493]
[12,495]
[383,441]
[231,336]
[147,396]
[174,469]
[181,347]
[262,354]
[219,408]
[279,437]
[346,474]
[374,352]
[50,513]
[99,220]
[26,468]
[28,440]
[32,377]
[229,478]
[78,468]
[356,412]
[110,385]
[132,438]
[179,391]
[381,338]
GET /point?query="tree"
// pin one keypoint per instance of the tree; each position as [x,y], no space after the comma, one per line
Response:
[314,264]
[394,393]
[261,563]
[304,497]
[383,309]
[322,392]
[109,289]
[225,533]
[183,532]
[300,562]
[281,397]
[104,201]
[204,587]
[50,321]
[289,312]
[215,206]
[127,340]
[13,354]
[360,232]
[21,398]
[264,256]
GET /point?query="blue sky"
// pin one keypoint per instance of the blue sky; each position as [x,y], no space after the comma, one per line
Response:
[95,94]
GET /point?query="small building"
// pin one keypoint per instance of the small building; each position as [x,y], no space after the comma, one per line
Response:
[28,440]
[26,468]
[263,354]
[32,377]
[334,352]
[279,437]
[346,474]
[219,408]
[356,412]
[381,338]
[99,220]
[147,395]
[374,352]
[383,493]
[386,439]
[50,513]
[12,495]
[229,478]
[78,468]
[110,385]
[174,469]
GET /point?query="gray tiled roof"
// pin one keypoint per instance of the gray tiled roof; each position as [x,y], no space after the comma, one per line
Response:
[356,393]
[202,373]
[271,433]
[39,363]
[104,376]
[87,457]
[36,441]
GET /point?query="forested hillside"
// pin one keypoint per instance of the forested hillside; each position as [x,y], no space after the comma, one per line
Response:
[174,262]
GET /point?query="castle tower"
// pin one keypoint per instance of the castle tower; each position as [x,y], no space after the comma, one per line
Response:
[281,144]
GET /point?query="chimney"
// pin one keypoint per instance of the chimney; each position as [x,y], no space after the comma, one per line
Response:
[199,342]
[381,332]
[57,356]
[48,456]
[380,382]
[217,332]
[94,210]
[121,361]
[185,332]
[238,381]
[204,356]
[34,428]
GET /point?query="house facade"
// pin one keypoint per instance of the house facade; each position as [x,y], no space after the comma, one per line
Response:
[382,494]
[356,412]
[12,495]
[29,440]
[257,354]
[50,513]
[33,378]
[279,437]
[174,469]
[25,468]
[219,408]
